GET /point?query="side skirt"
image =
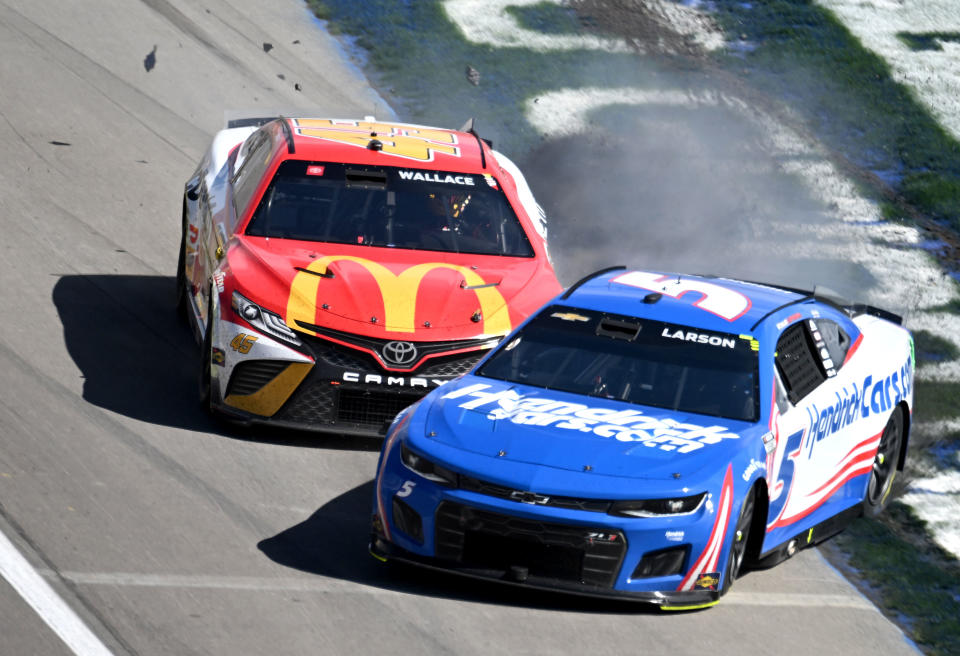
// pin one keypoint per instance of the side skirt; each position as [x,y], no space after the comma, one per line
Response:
[811,537]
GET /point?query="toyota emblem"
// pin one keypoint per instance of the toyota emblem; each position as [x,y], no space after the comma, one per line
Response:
[399,353]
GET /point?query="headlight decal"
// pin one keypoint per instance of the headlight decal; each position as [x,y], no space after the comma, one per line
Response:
[426,468]
[658,507]
[262,319]
[709,558]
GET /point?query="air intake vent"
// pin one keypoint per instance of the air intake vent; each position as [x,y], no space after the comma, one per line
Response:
[250,377]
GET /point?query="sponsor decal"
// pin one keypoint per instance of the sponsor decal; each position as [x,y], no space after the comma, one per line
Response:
[427,176]
[314,169]
[218,281]
[218,356]
[601,537]
[706,564]
[399,293]
[391,381]
[793,317]
[401,141]
[569,316]
[858,402]
[674,536]
[708,581]
[769,443]
[491,181]
[700,338]
[752,467]
[722,301]
[623,425]
[194,233]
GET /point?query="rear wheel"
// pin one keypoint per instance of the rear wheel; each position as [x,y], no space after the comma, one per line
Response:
[741,535]
[884,465]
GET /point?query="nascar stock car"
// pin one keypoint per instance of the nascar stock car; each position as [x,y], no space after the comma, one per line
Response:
[335,271]
[647,435]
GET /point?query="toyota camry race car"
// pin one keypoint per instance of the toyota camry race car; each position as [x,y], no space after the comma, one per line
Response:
[645,435]
[336,271]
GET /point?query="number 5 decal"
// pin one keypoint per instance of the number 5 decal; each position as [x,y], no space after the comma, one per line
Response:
[407,489]
[725,303]
[780,489]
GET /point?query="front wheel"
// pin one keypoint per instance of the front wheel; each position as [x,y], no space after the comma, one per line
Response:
[206,361]
[884,465]
[181,291]
[741,535]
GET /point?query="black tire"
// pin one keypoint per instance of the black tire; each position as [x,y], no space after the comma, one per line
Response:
[206,362]
[884,465]
[741,538]
[181,291]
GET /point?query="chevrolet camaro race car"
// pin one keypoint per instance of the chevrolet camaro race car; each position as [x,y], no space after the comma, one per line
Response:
[336,271]
[646,435]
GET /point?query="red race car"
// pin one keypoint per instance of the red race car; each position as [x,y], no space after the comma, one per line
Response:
[336,271]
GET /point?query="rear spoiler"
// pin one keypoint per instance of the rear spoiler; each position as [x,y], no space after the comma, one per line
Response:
[250,122]
[258,121]
[859,308]
[827,296]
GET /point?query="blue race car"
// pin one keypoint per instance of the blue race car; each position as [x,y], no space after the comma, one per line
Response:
[647,435]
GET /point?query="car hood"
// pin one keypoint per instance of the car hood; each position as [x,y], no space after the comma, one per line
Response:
[581,434]
[386,292]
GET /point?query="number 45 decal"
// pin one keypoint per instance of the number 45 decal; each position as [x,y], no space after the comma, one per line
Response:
[243,343]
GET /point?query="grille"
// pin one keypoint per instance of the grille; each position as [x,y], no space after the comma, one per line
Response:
[372,408]
[343,357]
[312,403]
[374,344]
[453,365]
[250,376]
[494,490]
[491,541]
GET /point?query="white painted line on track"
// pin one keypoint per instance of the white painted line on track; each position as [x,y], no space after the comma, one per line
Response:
[254,583]
[47,603]
[324,585]
[796,600]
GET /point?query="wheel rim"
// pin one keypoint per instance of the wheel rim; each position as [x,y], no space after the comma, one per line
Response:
[885,462]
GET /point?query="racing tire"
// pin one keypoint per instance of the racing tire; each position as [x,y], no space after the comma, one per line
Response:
[206,362]
[741,538]
[181,291]
[885,465]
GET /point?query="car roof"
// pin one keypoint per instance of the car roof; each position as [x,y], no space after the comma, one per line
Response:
[708,302]
[400,144]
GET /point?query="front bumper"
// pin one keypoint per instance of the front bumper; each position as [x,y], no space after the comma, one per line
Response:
[537,578]
[320,386]
[485,530]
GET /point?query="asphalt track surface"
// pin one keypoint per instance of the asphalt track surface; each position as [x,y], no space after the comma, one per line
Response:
[161,531]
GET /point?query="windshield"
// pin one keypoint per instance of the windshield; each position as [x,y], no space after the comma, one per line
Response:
[634,360]
[388,206]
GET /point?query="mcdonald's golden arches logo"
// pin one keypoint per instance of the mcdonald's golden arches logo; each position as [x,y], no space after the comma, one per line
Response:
[399,292]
